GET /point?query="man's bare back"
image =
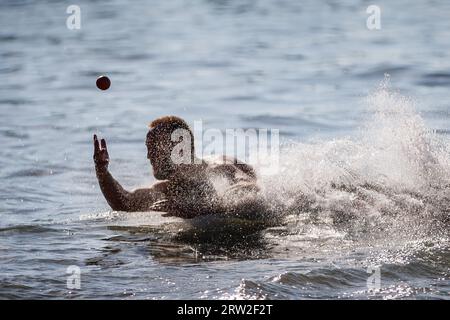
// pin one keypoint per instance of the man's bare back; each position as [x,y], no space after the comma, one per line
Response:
[185,190]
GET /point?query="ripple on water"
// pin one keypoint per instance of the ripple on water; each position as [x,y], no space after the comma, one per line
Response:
[437,79]
[26,229]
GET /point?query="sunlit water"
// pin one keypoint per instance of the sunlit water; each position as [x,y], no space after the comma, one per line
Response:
[364,181]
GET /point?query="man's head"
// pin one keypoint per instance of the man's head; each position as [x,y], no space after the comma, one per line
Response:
[168,138]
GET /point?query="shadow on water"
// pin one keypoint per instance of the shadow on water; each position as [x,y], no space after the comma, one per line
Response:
[194,241]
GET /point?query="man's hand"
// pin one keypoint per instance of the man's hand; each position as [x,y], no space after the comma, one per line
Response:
[101,157]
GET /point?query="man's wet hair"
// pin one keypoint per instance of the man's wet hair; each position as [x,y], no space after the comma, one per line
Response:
[168,124]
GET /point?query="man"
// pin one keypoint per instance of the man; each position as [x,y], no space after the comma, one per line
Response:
[187,188]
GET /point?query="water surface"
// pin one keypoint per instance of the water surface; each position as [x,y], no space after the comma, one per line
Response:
[365,170]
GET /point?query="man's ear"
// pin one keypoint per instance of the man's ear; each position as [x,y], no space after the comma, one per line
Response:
[181,152]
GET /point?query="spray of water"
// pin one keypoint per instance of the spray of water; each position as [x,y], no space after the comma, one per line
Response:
[392,177]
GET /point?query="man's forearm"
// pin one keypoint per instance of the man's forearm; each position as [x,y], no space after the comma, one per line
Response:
[116,196]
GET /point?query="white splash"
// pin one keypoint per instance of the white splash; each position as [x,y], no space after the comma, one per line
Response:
[394,174]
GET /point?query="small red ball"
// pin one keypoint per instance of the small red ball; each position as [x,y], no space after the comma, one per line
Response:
[103,83]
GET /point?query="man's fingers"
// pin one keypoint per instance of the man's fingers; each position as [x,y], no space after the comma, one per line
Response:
[103,144]
[96,144]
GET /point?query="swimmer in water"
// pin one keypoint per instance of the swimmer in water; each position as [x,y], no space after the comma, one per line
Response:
[186,188]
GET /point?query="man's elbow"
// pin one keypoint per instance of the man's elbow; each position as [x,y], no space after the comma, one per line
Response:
[119,207]
[121,204]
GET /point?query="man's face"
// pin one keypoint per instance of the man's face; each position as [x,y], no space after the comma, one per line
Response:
[159,148]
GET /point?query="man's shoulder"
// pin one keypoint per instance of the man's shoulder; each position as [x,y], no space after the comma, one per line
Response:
[229,165]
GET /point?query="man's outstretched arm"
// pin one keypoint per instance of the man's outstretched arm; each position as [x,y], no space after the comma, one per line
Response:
[117,197]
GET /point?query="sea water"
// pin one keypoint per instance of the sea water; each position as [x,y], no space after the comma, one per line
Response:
[361,199]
